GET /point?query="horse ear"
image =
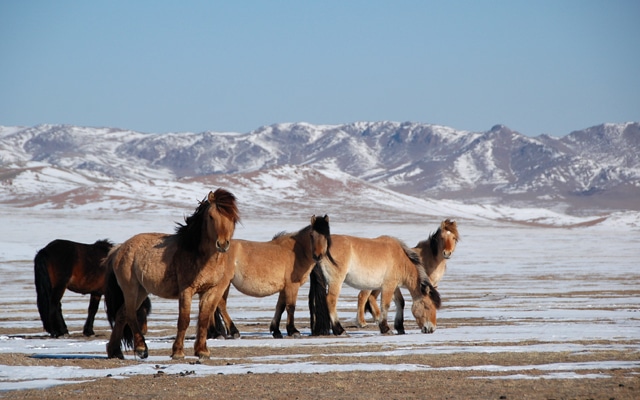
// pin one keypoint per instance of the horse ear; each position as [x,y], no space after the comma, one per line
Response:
[326,217]
[313,219]
[211,197]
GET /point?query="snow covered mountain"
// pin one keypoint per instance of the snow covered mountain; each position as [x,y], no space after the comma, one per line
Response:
[364,166]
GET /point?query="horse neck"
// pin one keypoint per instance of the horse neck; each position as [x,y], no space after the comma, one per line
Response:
[302,245]
[432,264]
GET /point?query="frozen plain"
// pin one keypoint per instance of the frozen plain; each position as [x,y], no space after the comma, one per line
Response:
[508,288]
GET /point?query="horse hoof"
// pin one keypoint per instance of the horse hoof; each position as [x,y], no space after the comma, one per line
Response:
[296,335]
[116,355]
[177,356]
[277,335]
[401,332]
[88,333]
[235,336]
[204,356]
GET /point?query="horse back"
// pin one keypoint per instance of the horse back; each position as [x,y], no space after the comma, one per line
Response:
[366,263]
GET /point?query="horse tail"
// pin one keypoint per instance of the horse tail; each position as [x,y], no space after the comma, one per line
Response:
[114,299]
[43,288]
[318,308]
[217,328]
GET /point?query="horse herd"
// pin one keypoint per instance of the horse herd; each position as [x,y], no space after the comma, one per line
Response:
[202,258]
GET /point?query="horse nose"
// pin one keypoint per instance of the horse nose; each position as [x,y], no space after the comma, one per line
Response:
[446,254]
[221,248]
[317,257]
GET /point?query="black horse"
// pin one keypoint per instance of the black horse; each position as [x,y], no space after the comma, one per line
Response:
[64,264]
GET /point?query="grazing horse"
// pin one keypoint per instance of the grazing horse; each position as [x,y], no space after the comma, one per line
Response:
[191,261]
[434,253]
[281,266]
[382,263]
[64,264]
[61,265]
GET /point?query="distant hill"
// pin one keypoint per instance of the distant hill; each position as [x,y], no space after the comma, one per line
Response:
[588,172]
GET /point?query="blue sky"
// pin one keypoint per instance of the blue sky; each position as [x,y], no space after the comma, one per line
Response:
[191,66]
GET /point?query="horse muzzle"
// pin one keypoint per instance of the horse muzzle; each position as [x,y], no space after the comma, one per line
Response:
[446,255]
[223,248]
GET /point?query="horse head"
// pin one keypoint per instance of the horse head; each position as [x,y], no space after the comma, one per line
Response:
[424,308]
[221,218]
[443,241]
[321,238]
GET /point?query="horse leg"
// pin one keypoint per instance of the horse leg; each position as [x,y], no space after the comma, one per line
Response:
[131,311]
[291,297]
[209,301]
[274,328]
[363,297]
[372,305]
[114,347]
[398,323]
[58,326]
[94,302]
[231,330]
[184,311]
[332,304]
[385,302]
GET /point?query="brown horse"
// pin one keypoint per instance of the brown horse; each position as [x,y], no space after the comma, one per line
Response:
[382,263]
[191,261]
[64,264]
[281,266]
[434,253]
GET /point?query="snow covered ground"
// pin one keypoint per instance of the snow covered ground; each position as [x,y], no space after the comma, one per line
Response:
[508,288]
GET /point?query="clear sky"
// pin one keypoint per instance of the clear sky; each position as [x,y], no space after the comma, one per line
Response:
[191,66]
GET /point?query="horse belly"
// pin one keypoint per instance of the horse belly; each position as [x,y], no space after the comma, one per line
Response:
[256,287]
[364,279]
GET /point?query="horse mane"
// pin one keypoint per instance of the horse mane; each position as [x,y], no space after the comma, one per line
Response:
[105,244]
[190,233]
[414,257]
[321,225]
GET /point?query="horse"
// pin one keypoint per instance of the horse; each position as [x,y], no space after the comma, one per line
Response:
[383,263]
[281,266]
[65,264]
[434,253]
[174,266]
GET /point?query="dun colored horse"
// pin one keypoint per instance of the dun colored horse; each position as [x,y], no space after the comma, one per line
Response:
[64,264]
[281,266]
[191,261]
[382,263]
[434,253]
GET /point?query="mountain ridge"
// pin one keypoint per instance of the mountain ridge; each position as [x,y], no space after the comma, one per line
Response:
[587,172]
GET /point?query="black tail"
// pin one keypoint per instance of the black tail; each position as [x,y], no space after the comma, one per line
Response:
[43,289]
[217,328]
[367,306]
[113,302]
[318,309]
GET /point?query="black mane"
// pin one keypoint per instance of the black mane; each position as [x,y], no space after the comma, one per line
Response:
[190,233]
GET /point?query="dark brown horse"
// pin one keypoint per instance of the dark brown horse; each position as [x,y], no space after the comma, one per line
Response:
[62,265]
[191,261]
